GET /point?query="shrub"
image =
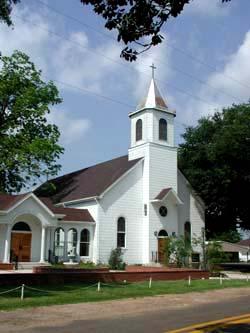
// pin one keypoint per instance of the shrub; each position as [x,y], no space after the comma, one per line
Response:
[115,259]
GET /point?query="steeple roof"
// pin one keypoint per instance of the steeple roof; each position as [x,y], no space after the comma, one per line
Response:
[153,99]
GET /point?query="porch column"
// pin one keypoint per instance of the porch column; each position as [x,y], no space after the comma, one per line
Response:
[42,244]
[7,245]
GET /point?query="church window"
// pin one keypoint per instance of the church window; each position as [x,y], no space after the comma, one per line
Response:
[121,232]
[84,243]
[187,232]
[162,233]
[163,211]
[72,241]
[59,242]
[163,135]
[139,130]
[145,210]
[21,226]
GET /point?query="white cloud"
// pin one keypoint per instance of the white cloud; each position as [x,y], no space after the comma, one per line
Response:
[226,86]
[72,129]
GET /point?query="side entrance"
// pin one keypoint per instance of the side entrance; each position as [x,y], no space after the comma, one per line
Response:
[162,239]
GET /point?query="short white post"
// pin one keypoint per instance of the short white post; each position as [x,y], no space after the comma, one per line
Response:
[99,286]
[22,292]
[220,279]
[189,280]
[150,282]
[247,277]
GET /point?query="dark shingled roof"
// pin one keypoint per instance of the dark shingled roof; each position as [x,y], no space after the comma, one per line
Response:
[244,242]
[88,182]
[71,214]
[163,193]
[7,201]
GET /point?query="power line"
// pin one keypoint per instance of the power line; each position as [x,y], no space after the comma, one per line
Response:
[88,49]
[203,63]
[193,58]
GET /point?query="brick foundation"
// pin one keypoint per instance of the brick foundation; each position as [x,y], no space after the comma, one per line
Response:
[95,276]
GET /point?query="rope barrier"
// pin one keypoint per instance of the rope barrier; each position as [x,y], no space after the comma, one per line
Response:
[9,291]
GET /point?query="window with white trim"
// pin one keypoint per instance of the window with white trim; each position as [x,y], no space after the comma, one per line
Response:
[59,242]
[138,130]
[121,232]
[72,241]
[84,243]
[163,134]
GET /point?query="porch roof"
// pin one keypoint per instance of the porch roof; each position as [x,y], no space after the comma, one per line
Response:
[164,194]
[7,202]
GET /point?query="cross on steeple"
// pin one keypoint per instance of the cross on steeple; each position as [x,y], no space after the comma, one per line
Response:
[153,70]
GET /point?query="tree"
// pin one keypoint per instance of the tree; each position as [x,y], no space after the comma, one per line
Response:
[28,143]
[133,19]
[5,10]
[215,157]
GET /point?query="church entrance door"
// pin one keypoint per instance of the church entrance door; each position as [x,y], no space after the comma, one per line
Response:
[21,241]
[21,246]
[162,239]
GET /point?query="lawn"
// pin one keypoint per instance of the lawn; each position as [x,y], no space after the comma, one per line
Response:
[77,293]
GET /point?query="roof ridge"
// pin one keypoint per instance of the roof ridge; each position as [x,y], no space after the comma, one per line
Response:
[88,167]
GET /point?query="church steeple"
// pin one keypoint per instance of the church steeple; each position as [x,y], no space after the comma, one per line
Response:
[152,122]
[153,99]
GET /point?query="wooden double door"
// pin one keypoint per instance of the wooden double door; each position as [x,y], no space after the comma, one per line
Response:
[21,246]
[161,249]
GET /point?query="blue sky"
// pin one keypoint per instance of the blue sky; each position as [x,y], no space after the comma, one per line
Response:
[203,65]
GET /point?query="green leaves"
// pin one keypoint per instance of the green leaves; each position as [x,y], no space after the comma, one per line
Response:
[28,143]
[5,10]
[135,20]
[216,159]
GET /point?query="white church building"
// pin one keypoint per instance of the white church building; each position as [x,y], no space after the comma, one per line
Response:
[133,202]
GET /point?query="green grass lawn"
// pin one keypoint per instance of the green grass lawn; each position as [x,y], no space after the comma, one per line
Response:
[77,293]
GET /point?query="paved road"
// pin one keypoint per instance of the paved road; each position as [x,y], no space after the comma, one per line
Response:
[161,321]
[148,315]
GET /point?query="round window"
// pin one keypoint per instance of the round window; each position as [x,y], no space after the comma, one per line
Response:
[163,211]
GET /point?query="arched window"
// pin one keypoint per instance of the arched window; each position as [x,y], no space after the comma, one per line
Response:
[187,232]
[84,243]
[162,233]
[163,134]
[121,232]
[72,241]
[139,130]
[59,242]
[21,226]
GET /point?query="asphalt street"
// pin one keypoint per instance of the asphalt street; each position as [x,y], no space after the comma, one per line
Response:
[158,321]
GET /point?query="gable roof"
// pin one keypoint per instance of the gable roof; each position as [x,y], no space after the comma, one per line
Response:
[163,193]
[8,201]
[70,214]
[244,242]
[88,182]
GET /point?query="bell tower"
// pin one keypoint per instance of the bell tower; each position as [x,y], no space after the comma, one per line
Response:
[152,138]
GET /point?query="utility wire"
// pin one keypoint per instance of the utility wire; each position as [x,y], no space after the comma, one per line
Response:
[88,49]
[187,54]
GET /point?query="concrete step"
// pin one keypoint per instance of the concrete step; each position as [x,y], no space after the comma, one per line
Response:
[30,265]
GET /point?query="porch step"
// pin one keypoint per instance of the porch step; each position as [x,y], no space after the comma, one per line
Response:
[30,265]
[154,264]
